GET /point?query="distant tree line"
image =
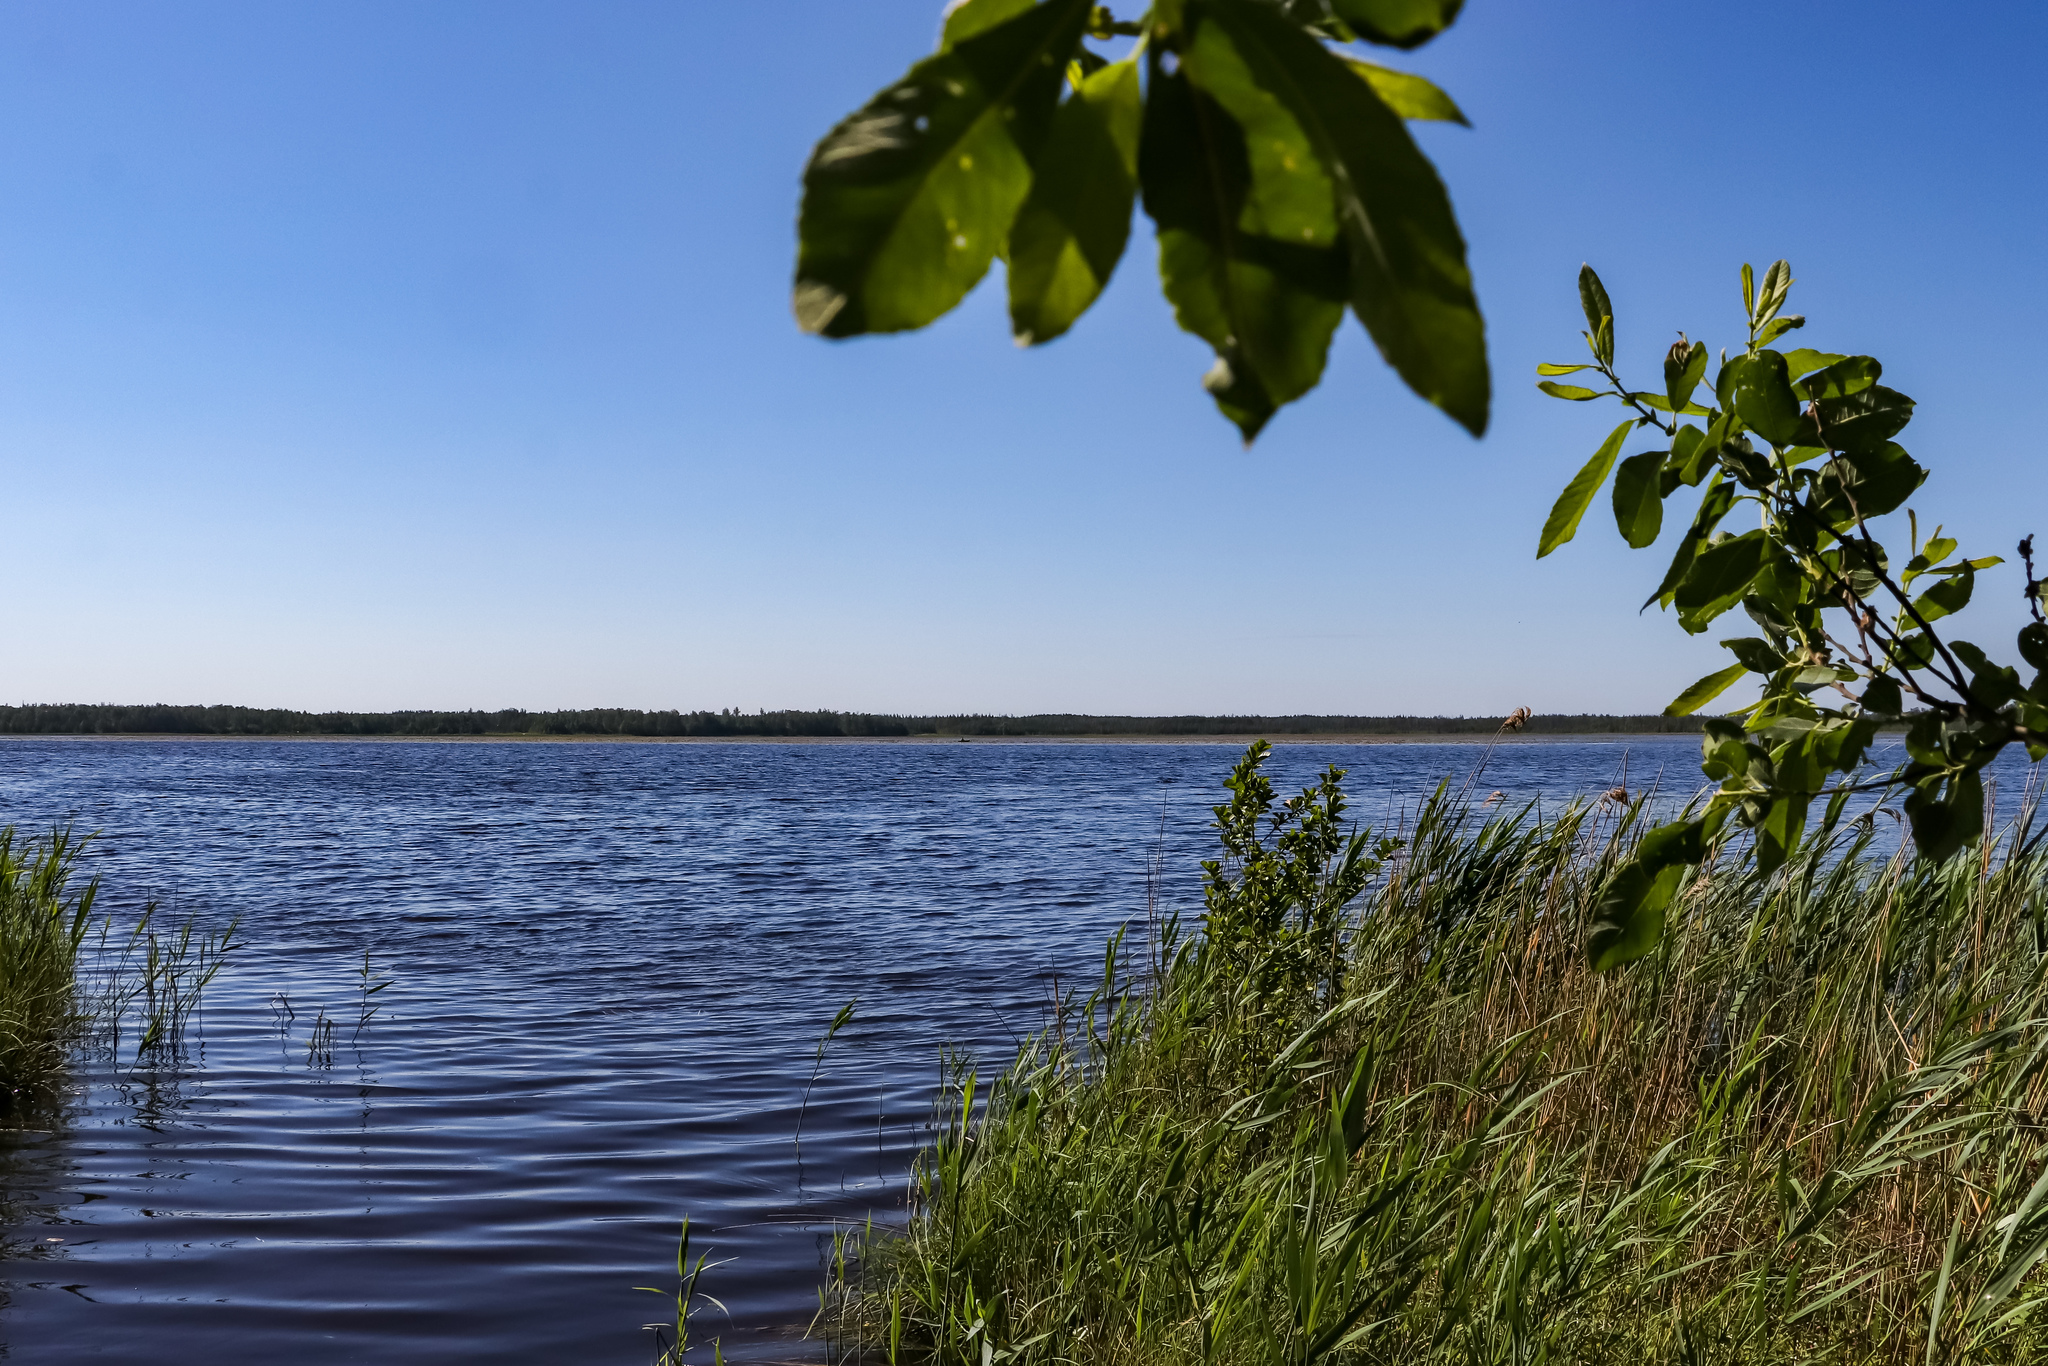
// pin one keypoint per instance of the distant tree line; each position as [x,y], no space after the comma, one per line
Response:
[78,719]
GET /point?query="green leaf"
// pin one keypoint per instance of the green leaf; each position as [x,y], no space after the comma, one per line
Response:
[1779,327]
[1870,482]
[1882,697]
[1764,400]
[1844,376]
[1864,421]
[1689,461]
[1247,250]
[1553,368]
[1757,656]
[1719,576]
[2033,643]
[1398,23]
[1639,498]
[1705,691]
[1408,281]
[1719,498]
[1662,403]
[1949,596]
[1408,94]
[1571,505]
[1941,828]
[1684,368]
[907,201]
[1628,920]
[1804,361]
[1991,685]
[1778,833]
[1569,391]
[1599,312]
[1777,283]
[1072,228]
[965,20]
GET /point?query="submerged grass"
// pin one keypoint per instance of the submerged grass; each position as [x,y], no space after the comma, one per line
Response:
[67,979]
[1380,1110]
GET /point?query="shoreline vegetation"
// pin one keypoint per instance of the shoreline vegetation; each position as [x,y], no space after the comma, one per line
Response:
[1376,1107]
[186,722]
[70,980]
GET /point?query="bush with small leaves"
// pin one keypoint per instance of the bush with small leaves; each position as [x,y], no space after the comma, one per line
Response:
[1848,642]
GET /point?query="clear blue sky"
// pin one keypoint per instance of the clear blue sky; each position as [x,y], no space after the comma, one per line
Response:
[368,355]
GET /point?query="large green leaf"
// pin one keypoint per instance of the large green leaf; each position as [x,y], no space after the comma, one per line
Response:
[1871,483]
[1719,576]
[1639,498]
[1073,227]
[1705,691]
[1628,920]
[1408,94]
[1571,505]
[1865,420]
[965,20]
[1846,375]
[1949,596]
[908,200]
[1764,399]
[1247,236]
[1408,281]
[1398,23]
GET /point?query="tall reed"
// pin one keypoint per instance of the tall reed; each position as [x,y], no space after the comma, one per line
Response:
[1398,1119]
[43,922]
[68,978]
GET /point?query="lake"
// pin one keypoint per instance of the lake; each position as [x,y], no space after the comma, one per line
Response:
[611,963]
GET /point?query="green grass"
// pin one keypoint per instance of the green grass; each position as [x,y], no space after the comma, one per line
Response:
[66,978]
[1377,1109]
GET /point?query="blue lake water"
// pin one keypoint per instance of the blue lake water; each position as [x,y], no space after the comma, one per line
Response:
[611,962]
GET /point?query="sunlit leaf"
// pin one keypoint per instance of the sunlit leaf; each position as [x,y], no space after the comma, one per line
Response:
[1803,361]
[1247,236]
[907,202]
[1949,596]
[1705,691]
[1571,505]
[970,17]
[1408,94]
[1576,393]
[1553,368]
[1408,281]
[1073,226]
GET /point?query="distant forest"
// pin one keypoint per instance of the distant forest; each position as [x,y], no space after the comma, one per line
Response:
[168,720]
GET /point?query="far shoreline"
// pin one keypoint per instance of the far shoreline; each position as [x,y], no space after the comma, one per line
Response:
[1235,741]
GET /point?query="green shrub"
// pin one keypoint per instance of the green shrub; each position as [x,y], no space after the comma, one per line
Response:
[1806,1127]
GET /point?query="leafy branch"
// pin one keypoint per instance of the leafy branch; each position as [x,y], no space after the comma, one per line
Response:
[1275,166]
[1827,466]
